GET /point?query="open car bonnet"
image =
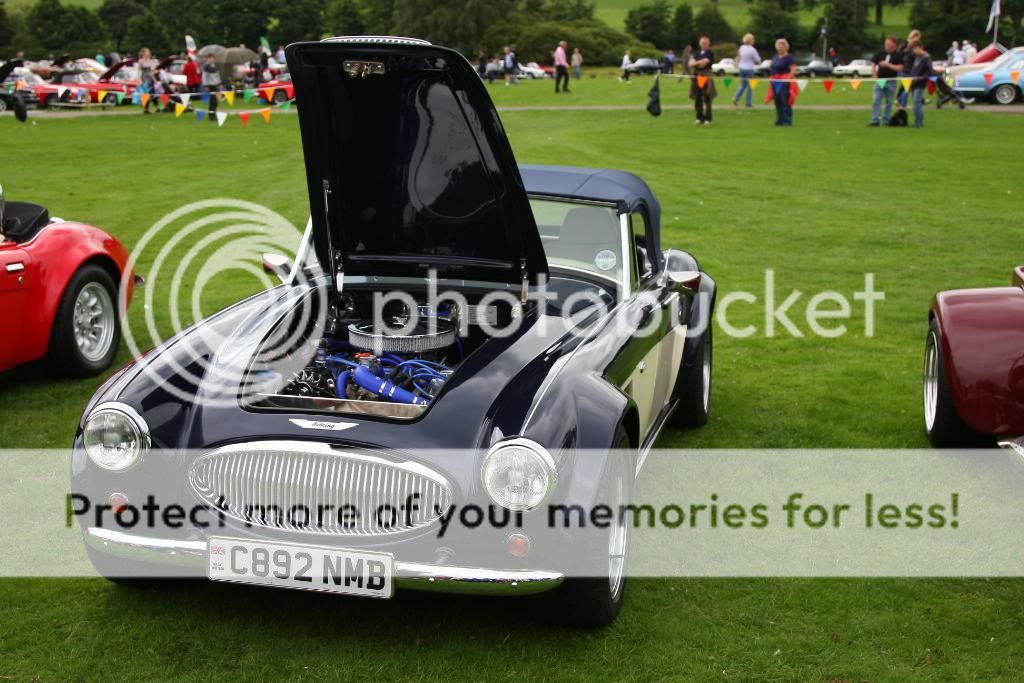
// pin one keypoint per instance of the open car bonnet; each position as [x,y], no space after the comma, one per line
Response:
[407,164]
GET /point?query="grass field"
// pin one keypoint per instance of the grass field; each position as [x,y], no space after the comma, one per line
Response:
[821,204]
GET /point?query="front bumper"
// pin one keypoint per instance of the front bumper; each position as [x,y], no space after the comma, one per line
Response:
[184,556]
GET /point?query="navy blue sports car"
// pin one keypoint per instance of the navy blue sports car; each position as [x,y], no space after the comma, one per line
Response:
[454,328]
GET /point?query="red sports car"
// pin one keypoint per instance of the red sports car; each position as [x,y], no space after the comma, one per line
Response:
[120,78]
[277,91]
[59,285]
[974,365]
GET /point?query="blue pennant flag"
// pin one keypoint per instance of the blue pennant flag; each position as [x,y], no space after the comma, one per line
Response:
[200,114]
[205,97]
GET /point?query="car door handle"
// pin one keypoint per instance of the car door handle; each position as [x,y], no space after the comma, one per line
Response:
[16,267]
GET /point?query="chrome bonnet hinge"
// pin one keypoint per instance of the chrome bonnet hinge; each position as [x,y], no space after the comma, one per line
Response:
[336,265]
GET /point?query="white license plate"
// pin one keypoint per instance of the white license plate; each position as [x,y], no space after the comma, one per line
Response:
[288,565]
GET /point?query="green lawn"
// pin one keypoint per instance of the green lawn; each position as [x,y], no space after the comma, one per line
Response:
[820,204]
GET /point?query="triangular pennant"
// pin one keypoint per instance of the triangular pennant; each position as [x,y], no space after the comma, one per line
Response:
[988,78]
[906,83]
[144,99]
[230,97]
[287,105]
[1014,77]
[802,84]
[101,95]
[119,96]
[754,82]
[179,109]
[60,91]
[268,94]
[205,97]
[136,97]
[9,88]
[200,115]
[245,117]
[184,97]
[880,83]
[854,83]
[727,81]
[702,81]
[828,83]
[265,113]
[20,85]
[164,99]
[222,116]
[247,95]
[931,86]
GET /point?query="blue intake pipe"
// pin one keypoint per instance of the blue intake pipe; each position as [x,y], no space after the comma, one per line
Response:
[384,387]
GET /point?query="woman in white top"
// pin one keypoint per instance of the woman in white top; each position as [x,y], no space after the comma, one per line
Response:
[626,63]
[748,61]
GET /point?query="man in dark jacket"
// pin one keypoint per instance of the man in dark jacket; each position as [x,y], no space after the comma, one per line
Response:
[921,72]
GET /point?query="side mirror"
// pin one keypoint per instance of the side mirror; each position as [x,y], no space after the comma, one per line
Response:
[278,265]
[682,272]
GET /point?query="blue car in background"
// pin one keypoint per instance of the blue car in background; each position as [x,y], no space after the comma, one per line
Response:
[999,87]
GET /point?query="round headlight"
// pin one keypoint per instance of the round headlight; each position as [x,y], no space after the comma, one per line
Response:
[518,474]
[115,436]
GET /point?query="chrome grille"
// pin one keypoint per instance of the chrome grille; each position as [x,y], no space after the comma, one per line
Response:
[299,486]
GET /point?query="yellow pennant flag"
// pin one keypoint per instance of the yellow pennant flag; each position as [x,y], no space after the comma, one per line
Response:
[102,95]
[179,109]
[265,113]
[702,81]
[906,82]
[1015,76]
[855,83]
[754,82]
[230,97]
[144,99]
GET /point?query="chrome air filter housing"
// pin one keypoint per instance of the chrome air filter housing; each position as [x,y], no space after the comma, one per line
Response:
[427,334]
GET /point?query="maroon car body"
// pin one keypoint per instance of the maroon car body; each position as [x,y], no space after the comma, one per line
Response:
[974,364]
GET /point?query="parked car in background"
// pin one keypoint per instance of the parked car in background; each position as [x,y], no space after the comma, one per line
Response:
[102,89]
[974,365]
[858,68]
[59,288]
[725,67]
[764,68]
[993,54]
[277,91]
[532,70]
[14,93]
[42,93]
[646,65]
[814,68]
[496,71]
[995,81]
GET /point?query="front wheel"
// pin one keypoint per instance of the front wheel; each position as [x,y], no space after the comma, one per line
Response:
[86,329]
[1004,94]
[280,97]
[595,602]
[694,385]
[942,424]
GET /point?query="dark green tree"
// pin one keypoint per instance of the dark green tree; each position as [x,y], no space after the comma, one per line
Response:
[459,25]
[943,21]
[769,21]
[6,30]
[56,27]
[239,22]
[146,30]
[298,20]
[651,23]
[682,30]
[710,22]
[568,10]
[115,15]
[344,18]
[186,17]
[847,24]
[379,16]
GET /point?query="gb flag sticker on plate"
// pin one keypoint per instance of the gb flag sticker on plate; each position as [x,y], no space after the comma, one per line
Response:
[288,565]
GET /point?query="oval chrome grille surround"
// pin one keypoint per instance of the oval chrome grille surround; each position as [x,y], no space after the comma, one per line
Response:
[271,483]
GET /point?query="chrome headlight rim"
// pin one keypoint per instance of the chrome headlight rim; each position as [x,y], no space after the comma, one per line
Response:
[136,421]
[532,447]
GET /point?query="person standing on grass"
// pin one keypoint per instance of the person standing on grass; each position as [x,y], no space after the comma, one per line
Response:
[887,64]
[193,76]
[908,65]
[211,83]
[670,62]
[510,65]
[561,67]
[747,59]
[147,80]
[783,71]
[702,86]
[481,62]
[969,52]
[626,63]
[921,72]
[577,62]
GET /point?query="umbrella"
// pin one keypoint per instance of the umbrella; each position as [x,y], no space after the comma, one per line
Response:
[232,57]
[211,49]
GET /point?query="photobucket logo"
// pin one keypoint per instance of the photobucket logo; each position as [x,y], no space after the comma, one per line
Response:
[204,255]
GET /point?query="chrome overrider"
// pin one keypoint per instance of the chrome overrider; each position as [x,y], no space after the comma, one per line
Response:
[191,556]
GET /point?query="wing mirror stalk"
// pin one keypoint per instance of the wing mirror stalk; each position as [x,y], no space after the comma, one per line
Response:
[278,265]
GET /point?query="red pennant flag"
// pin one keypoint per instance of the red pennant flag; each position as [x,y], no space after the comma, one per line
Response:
[245,117]
[931,87]
[828,83]
[988,79]
[702,81]
[164,99]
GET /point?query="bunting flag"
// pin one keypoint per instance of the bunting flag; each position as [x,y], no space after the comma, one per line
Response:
[101,95]
[246,95]
[205,97]
[931,86]
[287,105]
[754,82]
[184,97]
[9,88]
[222,116]
[702,81]
[144,100]
[60,91]
[1014,77]
[200,115]
[119,96]
[802,84]
[265,113]
[245,117]
[179,109]
[20,85]
[988,78]
[230,97]
[880,83]
[653,98]
[727,81]
[137,97]
[268,94]
[906,83]
[828,83]
[164,99]
[855,83]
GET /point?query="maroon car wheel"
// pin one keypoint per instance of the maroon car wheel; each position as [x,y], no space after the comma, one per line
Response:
[942,423]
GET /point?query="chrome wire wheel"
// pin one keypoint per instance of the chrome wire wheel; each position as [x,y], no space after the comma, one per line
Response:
[94,321]
[931,380]
[705,370]
[618,537]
